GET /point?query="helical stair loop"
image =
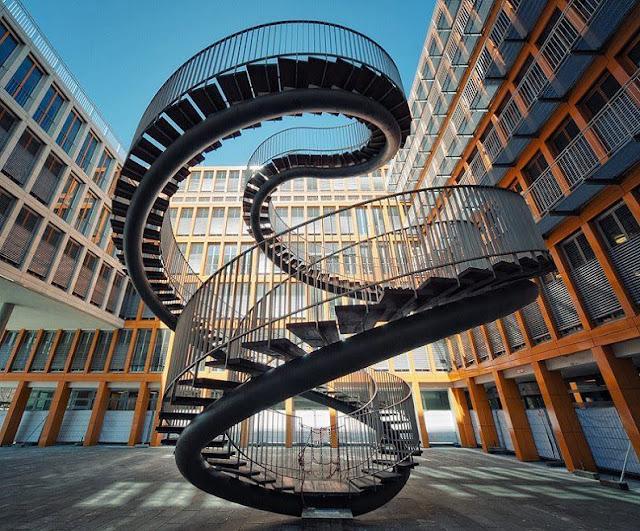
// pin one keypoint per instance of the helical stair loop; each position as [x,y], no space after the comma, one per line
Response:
[299,314]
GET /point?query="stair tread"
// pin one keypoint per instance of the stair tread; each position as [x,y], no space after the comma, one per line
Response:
[325,487]
[316,333]
[280,347]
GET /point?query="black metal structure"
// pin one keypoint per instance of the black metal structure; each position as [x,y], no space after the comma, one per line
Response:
[463,257]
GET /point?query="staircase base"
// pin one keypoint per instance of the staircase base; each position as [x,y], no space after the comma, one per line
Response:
[327,514]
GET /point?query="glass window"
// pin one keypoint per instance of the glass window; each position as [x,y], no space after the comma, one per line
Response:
[563,136]
[48,179]
[81,354]
[121,349]
[140,349]
[23,351]
[221,181]
[361,219]
[234,181]
[81,400]
[101,171]
[329,224]
[207,181]
[39,400]
[200,227]
[86,152]
[16,247]
[233,221]
[100,289]
[6,347]
[184,224]
[48,109]
[548,27]
[194,181]
[600,94]
[114,294]
[7,201]
[213,258]
[435,400]
[577,250]
[84,220]
[618,226]
[22,158]
[217,220]
[8,43]
[7,121]
[101,351]
[230,252]
[62,351]
[87,271]
[68,199]
[536,166]
[366,258]
[122,401]
[67,264]
[160,349]
[130,304]
[42,351]
[46,252]
[103,228]
[196,252]
[24,80]
[69,131]
[346,226]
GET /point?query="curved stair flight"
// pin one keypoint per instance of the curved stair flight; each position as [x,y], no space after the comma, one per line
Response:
[299,314]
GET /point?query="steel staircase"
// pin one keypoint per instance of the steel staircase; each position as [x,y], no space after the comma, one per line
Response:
[297,314]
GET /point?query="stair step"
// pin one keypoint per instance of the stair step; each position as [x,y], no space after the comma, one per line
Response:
[213,383]
[398,464]
[217,454]
[357,318]
[170,429]
[241,365]
[366,483]
[176,415]
[192,401]
[383,475]
[325,487]
[279,348]
[226,463]
[316,333]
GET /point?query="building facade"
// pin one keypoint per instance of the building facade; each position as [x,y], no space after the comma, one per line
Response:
[538,96]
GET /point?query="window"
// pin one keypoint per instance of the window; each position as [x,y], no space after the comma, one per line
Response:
[67,265]
[217,220]
[130,304]
[213,258]
[24,80]
[24,349]
[86,152]
[62,351]
[631,53]
[122,400]
[46,252]
[69,131]
[361,219]
[618,226]
[366,258]
[378,183]
[140,348]
[42,351]
[39,400]
[48,109]
[200,227]
[103,228]
[194,182]
[87,271]
[378,220]
[16,247]
[329,225]
[100,289]
[233,221]
[184,223]
[101,171]
[160,349]
[600,94]
[114,295]
[8,43]
[234,181]
[548,27]
[7,202]
[85,214]
[435,400]
[121,349]
[6,347]
[67,201]
[220,182]
[536,166]
[207,181]
[577,250]
[563,136]
[516,81]
[346,227]
[48,179]
[7,121]
[22,158]
[196,252]
[81,354]
[230,252]
[81,400]
[101,351]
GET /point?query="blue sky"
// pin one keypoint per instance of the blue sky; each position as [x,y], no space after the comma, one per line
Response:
[122,51]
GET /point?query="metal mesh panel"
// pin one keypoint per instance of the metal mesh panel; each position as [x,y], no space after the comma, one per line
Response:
[480,343]
[421,359]
[440,354]
[467,350]
[536,325]
[625,258]
[564,313]
[513,332]
[497,346]
[595,291]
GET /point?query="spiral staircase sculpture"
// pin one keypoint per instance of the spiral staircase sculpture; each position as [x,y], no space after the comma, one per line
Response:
[448,259]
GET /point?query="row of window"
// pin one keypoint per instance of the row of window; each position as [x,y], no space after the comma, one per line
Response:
[229,181]
[84,350]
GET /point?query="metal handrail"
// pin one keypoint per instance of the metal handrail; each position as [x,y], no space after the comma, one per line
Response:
[612,128]
[262,44]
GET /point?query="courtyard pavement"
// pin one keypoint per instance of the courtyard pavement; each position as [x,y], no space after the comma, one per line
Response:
[105,488]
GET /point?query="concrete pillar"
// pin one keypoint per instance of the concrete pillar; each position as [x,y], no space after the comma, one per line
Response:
[463,418]
[14,415]
[480,402]
[623,382]
[139,415]
[5,314]
[97,415]
[51,428]
[420,413]
[564,421]
[517,421]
